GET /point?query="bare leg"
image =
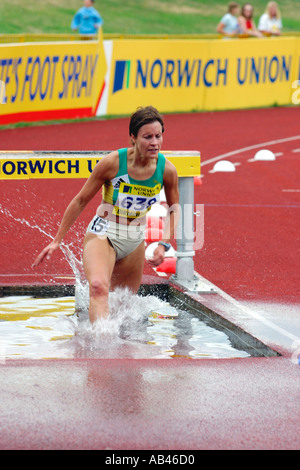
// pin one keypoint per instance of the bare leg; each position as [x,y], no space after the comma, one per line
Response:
[128,271]
[98,261]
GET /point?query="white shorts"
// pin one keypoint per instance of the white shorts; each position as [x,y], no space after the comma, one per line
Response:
[123,238]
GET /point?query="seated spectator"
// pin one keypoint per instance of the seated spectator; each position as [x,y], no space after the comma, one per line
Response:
[228,25]
[270,22]
[87,20]
[246,22]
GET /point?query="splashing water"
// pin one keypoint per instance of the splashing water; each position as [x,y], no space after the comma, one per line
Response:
[60,328]
[48,328]
[124,333]
[75,264]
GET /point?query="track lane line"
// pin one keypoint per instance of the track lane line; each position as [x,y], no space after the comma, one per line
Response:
[251,147]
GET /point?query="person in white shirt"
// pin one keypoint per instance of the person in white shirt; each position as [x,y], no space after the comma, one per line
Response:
[270,22]
[229,25]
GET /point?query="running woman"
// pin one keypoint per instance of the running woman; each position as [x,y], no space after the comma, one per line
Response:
[131,180]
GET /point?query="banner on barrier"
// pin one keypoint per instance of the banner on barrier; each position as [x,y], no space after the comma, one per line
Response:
[295,91]
[81,79]
[51,80]
[190,75]
[65,165]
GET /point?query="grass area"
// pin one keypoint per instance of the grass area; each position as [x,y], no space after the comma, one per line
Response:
[131,16]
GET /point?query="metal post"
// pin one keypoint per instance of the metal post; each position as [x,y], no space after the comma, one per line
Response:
[185,232]
[185,276]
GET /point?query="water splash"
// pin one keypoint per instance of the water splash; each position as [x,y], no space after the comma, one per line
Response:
[127,332]
[128,312]
[23,221]
[124,333]
[75,264]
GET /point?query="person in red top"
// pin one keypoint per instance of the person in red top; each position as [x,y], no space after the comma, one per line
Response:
[246,22]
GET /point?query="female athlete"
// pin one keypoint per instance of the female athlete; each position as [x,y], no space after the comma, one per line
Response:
[131,180]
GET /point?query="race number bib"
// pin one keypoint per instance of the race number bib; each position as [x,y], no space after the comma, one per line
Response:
[98,226]
[135,201]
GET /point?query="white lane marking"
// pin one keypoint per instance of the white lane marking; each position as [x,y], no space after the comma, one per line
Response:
[251,147]
[291,190]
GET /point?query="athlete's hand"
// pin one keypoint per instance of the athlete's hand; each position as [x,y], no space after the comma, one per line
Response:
[46,253]
[158,256]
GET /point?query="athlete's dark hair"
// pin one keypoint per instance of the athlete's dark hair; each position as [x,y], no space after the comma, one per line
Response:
[144,116]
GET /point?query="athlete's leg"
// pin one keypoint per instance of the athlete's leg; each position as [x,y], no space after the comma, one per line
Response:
[98,261]
[128,271]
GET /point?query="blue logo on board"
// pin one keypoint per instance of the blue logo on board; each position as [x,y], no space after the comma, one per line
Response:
[122,75]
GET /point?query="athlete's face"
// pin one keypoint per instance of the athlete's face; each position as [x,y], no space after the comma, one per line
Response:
[149,140]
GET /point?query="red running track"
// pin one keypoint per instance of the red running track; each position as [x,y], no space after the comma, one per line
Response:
[251,251]
[251,216]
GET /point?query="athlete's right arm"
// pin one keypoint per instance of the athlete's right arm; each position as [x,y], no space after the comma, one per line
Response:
[105,169]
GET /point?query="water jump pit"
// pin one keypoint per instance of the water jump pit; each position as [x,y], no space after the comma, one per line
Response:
[161,322]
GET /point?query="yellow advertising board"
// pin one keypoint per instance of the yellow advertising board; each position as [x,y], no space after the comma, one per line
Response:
[41,81]
[69,165]
[187,75]
[252,73]
[164,73]
[50,80]
[295,89]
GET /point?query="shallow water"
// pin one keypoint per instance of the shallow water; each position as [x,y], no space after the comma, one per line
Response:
[34,328]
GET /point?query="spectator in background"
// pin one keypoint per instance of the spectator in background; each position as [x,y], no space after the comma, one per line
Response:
[228,25]
[270,22]
[246,22]
[87,20]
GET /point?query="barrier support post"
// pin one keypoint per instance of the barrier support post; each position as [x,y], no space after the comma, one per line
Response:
[185,231]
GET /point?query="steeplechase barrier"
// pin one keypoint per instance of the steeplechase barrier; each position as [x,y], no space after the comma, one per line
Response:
[27,165]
